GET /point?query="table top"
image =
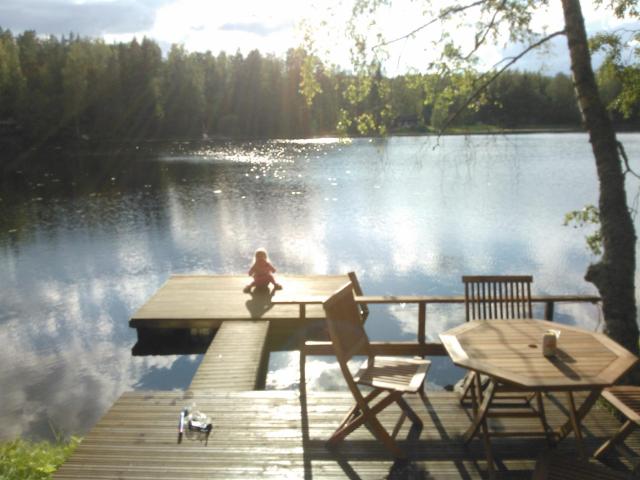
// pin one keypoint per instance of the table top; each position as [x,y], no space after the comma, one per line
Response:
[511,351]
[212,298]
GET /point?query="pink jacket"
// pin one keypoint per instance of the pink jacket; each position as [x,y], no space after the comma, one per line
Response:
[261,268]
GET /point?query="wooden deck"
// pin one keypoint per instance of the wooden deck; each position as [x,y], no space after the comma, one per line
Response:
[268,434]
[205,301]
[282,434]
[233,361]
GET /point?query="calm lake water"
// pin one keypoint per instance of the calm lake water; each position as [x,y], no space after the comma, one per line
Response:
[85,239]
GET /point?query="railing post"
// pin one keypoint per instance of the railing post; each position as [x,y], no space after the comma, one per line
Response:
[548,310]
[303,311]
[422,321]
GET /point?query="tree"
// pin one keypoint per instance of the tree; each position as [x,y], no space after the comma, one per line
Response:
[613,274]
[12,80]
[140,68]
[619,77]
[183,89]
[76,83]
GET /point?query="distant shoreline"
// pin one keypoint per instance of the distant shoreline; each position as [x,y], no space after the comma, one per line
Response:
[11,146]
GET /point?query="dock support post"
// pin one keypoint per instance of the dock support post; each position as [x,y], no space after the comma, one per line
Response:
[548,310]
[422,322]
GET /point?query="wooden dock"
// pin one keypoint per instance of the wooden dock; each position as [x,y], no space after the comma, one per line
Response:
[276,434]
[282,434]
[233,362]
[235,359]
[206,301]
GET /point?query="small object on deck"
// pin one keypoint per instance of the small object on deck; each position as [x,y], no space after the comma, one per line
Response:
[183,415]
[199,422]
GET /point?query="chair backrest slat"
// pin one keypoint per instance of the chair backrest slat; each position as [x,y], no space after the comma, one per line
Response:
[345,324]
[497,296]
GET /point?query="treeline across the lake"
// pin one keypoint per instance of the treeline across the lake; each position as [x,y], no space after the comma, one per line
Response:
[72,87]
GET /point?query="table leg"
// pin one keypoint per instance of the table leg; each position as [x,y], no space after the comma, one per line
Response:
[475,390]
[481,416]
[575,423]
[576,416]
[543,418]
[480,419]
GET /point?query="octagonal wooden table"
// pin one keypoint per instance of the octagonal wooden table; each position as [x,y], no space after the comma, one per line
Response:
[509,352]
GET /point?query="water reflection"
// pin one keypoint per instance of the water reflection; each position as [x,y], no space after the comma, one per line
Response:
[86,238]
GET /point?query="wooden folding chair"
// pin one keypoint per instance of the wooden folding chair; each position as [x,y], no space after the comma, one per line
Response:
[495,297]
[625,399]
[488,297]
[394,376]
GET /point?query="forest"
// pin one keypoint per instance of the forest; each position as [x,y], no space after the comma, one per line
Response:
[56,89]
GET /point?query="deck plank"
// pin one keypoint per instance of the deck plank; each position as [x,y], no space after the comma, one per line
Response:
[268,434]
[232,362]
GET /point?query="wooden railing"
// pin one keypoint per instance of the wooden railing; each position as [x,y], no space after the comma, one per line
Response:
[422,347]
[422,302]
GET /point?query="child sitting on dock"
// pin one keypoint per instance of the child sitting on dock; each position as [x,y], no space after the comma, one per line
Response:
[262,272]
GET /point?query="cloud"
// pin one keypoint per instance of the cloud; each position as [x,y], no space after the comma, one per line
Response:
[257,28]
[92,18]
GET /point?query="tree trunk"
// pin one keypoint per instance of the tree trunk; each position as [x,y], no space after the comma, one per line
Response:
[614,274]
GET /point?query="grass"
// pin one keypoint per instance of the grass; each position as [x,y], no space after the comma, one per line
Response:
[24,460]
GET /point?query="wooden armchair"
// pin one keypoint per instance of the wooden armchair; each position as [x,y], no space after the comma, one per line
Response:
[393,376]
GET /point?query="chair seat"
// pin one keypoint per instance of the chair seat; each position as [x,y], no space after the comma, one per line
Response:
[626,399]
[393,373]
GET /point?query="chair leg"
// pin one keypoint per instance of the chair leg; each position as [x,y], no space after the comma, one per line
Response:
[358,416]
[619,436]
[349,423]
[406,408]
[543,418]
[355,410]
[575,423]
[381,434]
[367,416]
[481,416]
[469,380]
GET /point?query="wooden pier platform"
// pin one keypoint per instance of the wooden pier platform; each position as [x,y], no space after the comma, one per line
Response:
[233,361]
[281,435]
[235,358]
[206,301]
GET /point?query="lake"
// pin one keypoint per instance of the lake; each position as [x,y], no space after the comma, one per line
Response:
[86,238]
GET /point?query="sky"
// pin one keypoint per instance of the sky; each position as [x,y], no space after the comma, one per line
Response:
[269,26]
